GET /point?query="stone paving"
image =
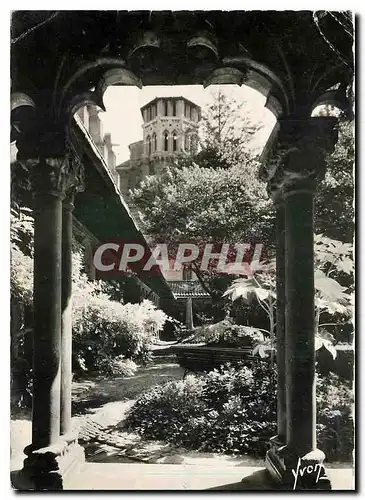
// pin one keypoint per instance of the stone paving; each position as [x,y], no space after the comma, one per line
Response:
[152,477]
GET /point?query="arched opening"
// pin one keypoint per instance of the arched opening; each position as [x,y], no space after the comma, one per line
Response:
[148,143]
[154,142]
[187,110]
[174,140]
[193,143]
[187,141]
[165,141]
[138,58]
[327,110]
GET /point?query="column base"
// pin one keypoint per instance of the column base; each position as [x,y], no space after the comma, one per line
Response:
[274,460]
[293,472]
[50,468]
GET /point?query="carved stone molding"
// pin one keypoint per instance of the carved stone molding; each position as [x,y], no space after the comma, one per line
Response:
[76,178]
[298,157]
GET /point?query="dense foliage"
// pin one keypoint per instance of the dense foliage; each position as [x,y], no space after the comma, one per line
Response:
[104,329]
[227,131]
[234,411]
[108,336]
[229,411]
[334,202]
[333,302]
[226,334]
[21,271]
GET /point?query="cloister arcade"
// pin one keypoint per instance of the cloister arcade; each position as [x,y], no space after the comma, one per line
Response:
[64,60]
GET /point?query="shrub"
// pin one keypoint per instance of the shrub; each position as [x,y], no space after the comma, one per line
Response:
[334,417]
[234,411]
[104,329]
[118,366]
[226,333]
[21,276]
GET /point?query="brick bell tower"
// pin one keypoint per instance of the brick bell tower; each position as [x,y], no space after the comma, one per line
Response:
[170,127]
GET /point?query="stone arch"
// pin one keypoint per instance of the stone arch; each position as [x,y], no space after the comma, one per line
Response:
[114,76]
[204,63]
[240,70]
[336,97]
[22,114]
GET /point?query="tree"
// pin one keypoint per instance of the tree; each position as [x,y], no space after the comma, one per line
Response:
[226,133]
[259,286]
[212,196]
[332,258]
[333,266]
[202,205]
[334,210]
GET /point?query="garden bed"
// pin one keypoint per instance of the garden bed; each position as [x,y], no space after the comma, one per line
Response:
[233,411]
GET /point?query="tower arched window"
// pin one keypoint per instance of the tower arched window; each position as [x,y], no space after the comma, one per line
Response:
[174,108]
[174,141]
[154,142]
[187,142]
[166,141]
[194,143]
[148,140]
[166,108]
[187,110]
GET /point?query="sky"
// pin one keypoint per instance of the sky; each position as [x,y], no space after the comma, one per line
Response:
[123,118]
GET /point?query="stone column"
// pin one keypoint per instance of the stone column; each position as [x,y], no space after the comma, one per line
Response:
[66,319]
[304,144]
[300,352]
[280,319]
[50,457]
[189,314]
[274,457]
[47,302]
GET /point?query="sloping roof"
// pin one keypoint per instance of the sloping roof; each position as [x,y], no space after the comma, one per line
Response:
[102,209]
[187,289]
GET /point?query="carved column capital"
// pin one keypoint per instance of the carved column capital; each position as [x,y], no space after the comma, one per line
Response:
[49,175]
[59,176]
[298,158]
